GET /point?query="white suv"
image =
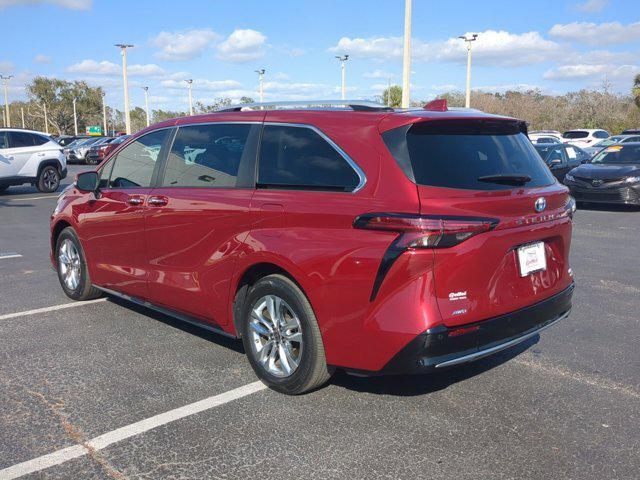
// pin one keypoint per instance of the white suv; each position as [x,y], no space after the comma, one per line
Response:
[30,157]
[584,137]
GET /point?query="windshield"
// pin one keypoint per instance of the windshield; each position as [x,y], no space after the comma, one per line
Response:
[618,155]
[88,141]
[609,141]
[477,155]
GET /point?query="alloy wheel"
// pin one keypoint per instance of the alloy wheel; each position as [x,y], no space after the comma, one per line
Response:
[69,264]
[276,336]
[50,179]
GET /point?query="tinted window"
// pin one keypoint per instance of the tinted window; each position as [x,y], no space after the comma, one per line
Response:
[631,139]
[575,153]
[21,139]
[555,154]
[575,134]
[39,139]
[298,157]
[134,165]
[4,140]
[456,154]
[600,134]
[105,173]
[206,156]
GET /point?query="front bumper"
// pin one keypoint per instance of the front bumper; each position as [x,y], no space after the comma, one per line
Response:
[623,195]
[442,347]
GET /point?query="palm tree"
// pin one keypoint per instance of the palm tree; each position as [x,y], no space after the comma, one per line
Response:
[636,90]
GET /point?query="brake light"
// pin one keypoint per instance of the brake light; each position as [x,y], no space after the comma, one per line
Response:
[426,231]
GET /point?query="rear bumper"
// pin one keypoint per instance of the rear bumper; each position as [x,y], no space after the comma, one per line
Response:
[442,347]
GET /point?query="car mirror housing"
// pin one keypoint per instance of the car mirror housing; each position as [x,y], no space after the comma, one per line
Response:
[87,181]
[555,161]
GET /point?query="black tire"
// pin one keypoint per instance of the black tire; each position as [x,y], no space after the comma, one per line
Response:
[3,188]
[49,179]
[312,370]
[84,290]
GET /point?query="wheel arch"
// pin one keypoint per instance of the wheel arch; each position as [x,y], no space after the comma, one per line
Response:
[54,162]
[58,227]
[249,277]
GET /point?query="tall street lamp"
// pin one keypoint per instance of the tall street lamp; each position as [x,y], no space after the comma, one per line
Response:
[125,84]
[75,118]
[343,60]
[5,82]
[469,38]
[189,85]
[104,114]
[260,73]
[146,103]
[406,59]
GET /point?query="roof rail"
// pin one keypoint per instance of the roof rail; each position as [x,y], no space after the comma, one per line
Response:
[355,105]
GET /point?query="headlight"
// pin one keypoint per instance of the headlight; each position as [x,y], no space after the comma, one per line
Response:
[632,179]
[569,177]
[570,206]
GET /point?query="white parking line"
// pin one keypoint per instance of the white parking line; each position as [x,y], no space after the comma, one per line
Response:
[128,431]
[49,309]
[5,255]
[32,198]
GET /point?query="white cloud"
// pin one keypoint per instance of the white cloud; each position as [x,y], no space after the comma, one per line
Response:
[281,76]
[202,84]
[6,67]
[242,46]
[41,58]
[597,34]
[495,48]
[184,45]
[378,74]
[622,74]
[105,67]
[508,87]
[93,67]
[598,57]
[71,4]
[592,6]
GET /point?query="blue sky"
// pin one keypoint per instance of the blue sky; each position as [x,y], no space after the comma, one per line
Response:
[556,46]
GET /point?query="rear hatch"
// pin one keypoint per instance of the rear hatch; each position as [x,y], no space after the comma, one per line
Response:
[486,169]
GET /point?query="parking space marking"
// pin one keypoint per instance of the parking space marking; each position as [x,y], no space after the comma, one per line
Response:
[5,255]
[33,198]
[102,441]
[50,309]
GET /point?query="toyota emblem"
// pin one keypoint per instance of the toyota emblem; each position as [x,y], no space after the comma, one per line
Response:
[596,183]
[540,204]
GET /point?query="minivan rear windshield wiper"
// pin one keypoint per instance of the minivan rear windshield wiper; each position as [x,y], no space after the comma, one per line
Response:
[505,179]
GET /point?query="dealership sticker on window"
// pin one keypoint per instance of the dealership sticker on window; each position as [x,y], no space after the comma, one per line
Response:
[532,258]
[615,148]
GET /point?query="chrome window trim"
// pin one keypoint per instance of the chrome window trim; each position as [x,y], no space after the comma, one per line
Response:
[356,168]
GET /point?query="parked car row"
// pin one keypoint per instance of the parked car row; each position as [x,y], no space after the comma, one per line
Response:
[91,150]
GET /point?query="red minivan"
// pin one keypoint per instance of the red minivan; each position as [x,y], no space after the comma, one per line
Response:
[346,235]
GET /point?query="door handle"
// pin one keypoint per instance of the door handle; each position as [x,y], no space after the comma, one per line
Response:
[134,201]
[158,201]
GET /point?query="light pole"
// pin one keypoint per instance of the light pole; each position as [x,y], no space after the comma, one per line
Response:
[469,39]
[104,114]
[22,115]
[127,115]
[146,103]
[406,60]
[46,119]
[189,84]
[75,118]
[5,82]
[343,60]
[260,73]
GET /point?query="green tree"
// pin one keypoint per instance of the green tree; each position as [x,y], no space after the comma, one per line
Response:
[636,90]
[392,96]
[58,97]
[138,119]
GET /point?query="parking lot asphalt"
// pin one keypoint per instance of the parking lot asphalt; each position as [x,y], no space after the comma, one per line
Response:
[564,405]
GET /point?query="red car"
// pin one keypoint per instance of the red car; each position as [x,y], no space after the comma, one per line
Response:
[361,238]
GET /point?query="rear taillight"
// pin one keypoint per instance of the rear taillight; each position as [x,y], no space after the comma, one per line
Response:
[426,231]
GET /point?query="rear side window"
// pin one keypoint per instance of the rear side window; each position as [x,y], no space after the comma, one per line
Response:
[206,156]
[4,140]
[39,140]
[21,139]
[134,164]
[300,158]
[575,134]
[601,134]
[454,154]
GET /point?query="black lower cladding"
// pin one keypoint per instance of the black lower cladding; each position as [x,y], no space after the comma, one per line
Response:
[437,346]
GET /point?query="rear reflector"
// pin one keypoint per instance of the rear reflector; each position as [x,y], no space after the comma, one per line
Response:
[426,231]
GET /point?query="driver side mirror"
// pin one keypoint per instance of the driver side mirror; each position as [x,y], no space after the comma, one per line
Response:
[87,181]
[555,161]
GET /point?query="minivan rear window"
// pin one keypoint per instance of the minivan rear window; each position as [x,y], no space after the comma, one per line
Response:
[474,155]
[575,134]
